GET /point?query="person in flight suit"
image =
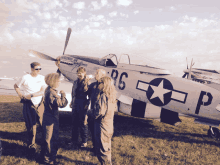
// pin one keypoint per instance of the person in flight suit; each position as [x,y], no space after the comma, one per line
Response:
[92,93]
[33,86]
[51,117]
[79,105]
[103,113]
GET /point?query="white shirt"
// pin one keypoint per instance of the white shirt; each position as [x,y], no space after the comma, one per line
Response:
[31,85]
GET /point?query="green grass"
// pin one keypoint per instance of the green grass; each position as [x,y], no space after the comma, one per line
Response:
[135,141]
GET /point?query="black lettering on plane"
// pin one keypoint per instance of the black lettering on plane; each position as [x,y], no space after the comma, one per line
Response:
[200,102]
[114,77]
[121,84]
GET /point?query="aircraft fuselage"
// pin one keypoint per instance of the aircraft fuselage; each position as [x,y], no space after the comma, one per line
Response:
[152,90]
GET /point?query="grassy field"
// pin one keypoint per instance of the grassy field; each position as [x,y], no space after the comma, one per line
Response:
[135,141]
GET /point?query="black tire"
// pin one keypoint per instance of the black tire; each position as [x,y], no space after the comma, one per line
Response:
[215,133]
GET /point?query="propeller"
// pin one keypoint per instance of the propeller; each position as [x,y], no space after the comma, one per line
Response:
[190,69]
[188,72]
[57,60]
[185,71]
[41,55]
[67,39]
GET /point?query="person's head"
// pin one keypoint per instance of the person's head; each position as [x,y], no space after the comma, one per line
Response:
[35,68]
[81,73]
[99,74]
[108,88]
[53,80]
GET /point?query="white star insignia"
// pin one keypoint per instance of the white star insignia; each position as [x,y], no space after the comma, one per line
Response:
[159,91]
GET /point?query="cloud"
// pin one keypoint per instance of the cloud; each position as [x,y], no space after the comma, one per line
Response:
[79,5]
[124,15]
[66,3]
[136,11]
[72,23]
[97,18]
[47,15]
[108,22]
[124,2]
[160,10]
[104,2]
[43,15]
[79,12]
[52,5]
[95,5]
[4,13]
[27,5]
[113,14]
[31,21]
[5,34]
[79,20]
[61,18]
[56,14]
[47,24]
[172,8]
[94,24]
[26,30]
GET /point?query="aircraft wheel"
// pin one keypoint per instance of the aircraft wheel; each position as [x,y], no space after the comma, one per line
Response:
[213,132]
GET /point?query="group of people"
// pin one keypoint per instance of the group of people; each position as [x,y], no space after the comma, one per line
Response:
[93,107]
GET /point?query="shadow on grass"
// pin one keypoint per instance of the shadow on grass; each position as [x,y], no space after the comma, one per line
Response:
[13,149]
[125,125]
[61,158]
[11,112]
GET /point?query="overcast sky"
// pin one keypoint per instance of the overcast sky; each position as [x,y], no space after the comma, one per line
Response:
[164,31]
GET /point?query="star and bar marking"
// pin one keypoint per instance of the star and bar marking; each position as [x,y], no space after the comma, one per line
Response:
[160,91]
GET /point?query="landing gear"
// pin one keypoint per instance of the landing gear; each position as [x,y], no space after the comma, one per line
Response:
[213,132]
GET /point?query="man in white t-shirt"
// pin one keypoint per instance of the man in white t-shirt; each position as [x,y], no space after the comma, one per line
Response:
[32,86]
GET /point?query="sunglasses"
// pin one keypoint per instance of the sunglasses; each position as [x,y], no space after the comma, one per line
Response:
[38,69]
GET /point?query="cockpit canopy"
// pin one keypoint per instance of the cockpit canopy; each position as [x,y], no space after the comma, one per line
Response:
[113,60]
[135,63]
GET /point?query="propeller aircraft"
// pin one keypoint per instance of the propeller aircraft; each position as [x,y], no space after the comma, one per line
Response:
[207,77]
[146,90]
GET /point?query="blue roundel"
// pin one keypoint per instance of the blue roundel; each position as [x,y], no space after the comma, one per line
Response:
[159,91]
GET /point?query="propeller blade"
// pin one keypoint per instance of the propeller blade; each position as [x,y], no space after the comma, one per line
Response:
[184,75]
[67,38]
[41,55]
[190,70]
[186,63]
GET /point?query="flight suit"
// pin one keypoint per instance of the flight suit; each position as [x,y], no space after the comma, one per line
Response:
[93,92]
[103,113]
[51,122]
[79,110]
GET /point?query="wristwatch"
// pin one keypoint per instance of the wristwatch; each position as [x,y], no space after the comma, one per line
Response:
[32,95]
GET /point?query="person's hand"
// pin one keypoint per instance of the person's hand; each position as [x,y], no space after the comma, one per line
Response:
[28,97]
[21,96]
[63,93]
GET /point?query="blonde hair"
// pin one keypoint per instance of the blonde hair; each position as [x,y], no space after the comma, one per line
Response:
[102,72]
[51,79]
[81,70]
[85,80]
[108,88]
